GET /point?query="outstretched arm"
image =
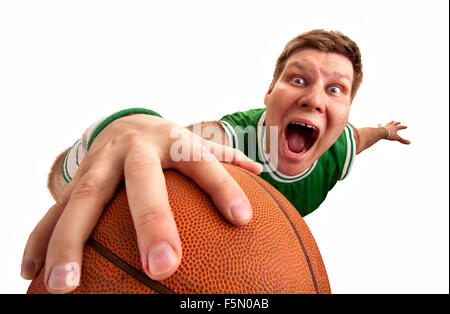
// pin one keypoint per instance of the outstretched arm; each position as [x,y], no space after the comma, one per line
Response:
[366,137]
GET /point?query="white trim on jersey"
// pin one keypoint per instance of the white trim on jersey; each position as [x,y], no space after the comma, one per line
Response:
[351,151]
[232,138]
[72,160]
[268,165]
[76,153]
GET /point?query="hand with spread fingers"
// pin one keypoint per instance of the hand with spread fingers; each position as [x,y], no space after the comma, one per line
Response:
[392,129]
[136,148]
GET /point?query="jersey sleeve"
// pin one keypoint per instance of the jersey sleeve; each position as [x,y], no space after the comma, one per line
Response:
[76,153]
[230,133]
[236,124]
[350,152]
[343,152]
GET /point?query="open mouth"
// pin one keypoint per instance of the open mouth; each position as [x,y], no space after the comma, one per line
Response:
[300,137]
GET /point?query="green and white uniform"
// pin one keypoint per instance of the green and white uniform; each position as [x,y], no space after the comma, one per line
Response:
[76,153]
[307,190]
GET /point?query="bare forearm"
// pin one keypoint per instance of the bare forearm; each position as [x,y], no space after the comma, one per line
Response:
[211,130]
[368,137]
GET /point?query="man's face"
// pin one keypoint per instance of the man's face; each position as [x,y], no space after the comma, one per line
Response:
[309,103]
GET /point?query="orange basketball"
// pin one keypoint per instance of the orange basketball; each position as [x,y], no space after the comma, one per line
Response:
[274,253]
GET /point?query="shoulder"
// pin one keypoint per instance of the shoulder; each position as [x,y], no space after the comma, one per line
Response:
[244,118]
[342,152]
[240,122]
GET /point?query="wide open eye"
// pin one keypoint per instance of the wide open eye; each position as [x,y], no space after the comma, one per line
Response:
[335,90]
[298,80]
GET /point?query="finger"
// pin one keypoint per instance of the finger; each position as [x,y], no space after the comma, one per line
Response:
[402,127]
[36,247]
[84,207]
[396,123]
[157,235]
[249,165]
[233,156]
[404,141]
[225,192]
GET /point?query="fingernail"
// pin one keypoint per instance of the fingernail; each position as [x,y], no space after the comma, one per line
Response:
[260,168]
[28,268]
[161,258]
[64,276]
[240,210]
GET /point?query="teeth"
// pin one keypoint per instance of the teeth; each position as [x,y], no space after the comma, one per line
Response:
[301,153]
[305,125]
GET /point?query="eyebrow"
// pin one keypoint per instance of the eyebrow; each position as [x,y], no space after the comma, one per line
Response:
[305,67]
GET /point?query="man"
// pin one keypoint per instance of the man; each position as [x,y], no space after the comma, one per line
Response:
[302,141]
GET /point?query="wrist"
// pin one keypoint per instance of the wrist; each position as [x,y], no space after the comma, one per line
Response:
[388,133]
[100,126]
[75,154]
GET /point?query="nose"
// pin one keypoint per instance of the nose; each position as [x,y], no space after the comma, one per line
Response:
[313,99]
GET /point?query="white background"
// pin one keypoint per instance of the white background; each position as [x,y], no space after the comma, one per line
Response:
[66,64]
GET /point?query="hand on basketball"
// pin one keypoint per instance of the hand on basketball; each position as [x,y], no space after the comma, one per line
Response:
[393,128]
[136,148]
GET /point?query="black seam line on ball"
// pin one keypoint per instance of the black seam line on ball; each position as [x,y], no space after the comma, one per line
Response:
[293,228]
[130,270]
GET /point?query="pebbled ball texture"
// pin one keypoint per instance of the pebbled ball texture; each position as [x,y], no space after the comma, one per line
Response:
[274,253]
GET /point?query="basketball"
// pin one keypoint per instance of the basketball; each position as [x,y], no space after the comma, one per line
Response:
[274,253]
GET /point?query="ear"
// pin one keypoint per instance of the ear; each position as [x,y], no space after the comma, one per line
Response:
[268,93]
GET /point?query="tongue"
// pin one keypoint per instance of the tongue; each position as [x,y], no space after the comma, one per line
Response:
[297,139]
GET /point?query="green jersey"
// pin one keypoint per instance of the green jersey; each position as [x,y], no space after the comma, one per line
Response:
[246,131]
[307,190]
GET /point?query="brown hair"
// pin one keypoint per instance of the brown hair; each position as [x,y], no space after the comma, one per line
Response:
[326,41]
